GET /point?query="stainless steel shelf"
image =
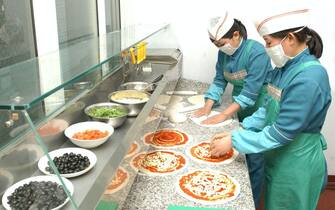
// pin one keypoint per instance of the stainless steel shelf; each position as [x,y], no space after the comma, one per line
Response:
[90,187]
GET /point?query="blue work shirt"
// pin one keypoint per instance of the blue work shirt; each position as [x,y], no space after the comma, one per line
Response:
[303,107]
[257,65]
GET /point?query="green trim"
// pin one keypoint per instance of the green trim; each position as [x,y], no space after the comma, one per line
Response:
[194,208]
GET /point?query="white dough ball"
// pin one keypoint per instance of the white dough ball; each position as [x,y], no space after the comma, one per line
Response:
[176,117]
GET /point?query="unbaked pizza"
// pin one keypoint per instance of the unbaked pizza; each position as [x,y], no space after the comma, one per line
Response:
[158,162]
[119,180]
[208,187]
[201,152]
[153,115]
[166,138]
[134,148]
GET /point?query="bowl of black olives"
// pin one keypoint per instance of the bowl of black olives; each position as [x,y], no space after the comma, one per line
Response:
[38,192]
[6,180]
[70,162]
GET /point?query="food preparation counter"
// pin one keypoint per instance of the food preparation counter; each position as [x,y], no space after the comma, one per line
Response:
[147,192]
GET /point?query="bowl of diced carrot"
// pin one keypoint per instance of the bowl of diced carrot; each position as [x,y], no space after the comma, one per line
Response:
[89,134]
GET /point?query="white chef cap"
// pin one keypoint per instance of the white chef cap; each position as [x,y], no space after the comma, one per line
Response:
[281,16]
[219,26]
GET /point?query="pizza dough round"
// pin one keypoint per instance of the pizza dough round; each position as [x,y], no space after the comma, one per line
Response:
[208,187]
[197,99]
[119,181]
[159,162]
[200,119]
[134,148]
[171,138]
[176,117]
[136,161]
[200,153]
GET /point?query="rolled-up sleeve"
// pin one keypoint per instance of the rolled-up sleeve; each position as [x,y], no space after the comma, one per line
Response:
[217,88]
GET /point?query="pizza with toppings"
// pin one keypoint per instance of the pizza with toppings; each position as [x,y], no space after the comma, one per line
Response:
[159,162]
[208,187]
[201,152]
[119,180]
[137,160]
[166,138]
[134,148]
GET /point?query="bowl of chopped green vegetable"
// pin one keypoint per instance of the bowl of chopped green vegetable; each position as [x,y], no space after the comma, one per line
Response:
[112,113]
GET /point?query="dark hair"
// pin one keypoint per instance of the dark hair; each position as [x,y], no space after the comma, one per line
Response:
[237,26]
[306,35]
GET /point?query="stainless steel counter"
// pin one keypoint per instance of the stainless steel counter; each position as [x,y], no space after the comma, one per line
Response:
[90,186]
[158,192]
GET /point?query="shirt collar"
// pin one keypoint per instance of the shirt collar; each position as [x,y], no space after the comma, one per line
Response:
[240,49]
[297,58]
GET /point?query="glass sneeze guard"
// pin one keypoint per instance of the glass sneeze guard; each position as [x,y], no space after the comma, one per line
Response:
[60,68]
[28,90]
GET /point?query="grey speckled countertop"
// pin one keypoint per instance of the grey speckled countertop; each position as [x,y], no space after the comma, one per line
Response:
[158,192]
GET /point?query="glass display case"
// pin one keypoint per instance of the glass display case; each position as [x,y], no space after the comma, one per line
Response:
[42,97]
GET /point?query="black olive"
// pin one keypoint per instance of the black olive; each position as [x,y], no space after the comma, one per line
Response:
[37,195]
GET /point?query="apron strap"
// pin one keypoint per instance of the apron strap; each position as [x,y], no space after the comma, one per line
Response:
[246,54]
[299,69]
[323,142]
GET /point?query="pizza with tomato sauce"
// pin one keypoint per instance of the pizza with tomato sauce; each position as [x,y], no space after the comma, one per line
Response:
[134,148]
[208,187]
[160,162]
[119,180]
[166,138]
[201,153]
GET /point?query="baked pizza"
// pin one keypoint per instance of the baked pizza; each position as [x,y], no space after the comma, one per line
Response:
[166,138]
[208,187]
[119,180]
[134,148]
[201,152]
[158,162]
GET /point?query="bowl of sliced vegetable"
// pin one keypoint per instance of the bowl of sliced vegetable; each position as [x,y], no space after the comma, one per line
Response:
[89,134]
[112,113]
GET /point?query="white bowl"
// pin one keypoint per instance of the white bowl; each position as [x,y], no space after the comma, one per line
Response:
[22,157]
[43,162]
[6,180]
[12,188]
[91,125]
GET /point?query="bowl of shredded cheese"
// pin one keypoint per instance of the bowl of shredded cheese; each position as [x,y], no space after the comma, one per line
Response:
[133,99]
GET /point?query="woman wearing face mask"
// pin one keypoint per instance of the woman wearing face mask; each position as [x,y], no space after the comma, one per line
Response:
[288,128]
[245,64]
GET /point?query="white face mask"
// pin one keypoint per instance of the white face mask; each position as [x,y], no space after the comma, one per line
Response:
[277,55]
[228,49]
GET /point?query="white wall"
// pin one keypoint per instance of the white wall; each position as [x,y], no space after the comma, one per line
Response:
[189,27]
[189,22]
[322,16]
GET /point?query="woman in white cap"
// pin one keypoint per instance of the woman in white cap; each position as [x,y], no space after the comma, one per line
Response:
[243,63]
[295,110]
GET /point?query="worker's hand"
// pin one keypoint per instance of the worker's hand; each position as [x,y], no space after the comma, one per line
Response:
[220,144]
[215,119]
[204,111]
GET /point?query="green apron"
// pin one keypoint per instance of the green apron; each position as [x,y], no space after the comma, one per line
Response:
[237,80]
[295,172]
